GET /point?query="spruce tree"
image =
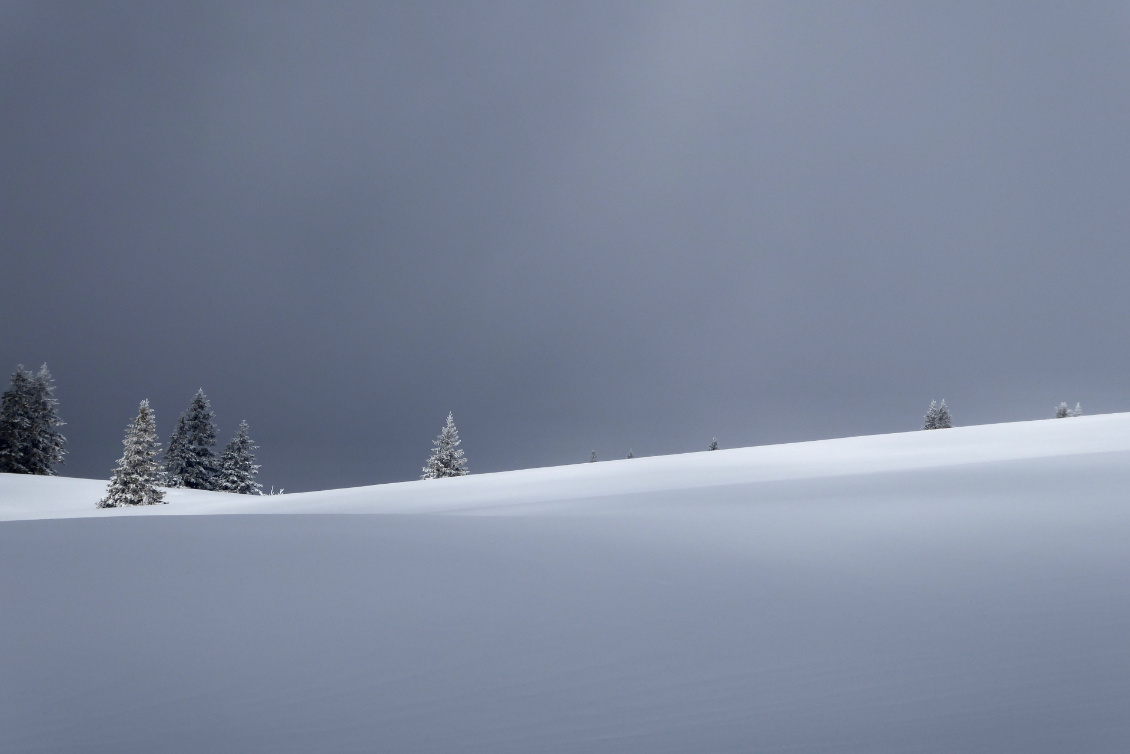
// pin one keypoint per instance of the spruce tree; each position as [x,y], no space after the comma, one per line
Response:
[1063,412]
[172,472]
[189,460]
[47,443]
[16,424]
[943,421]
[135,479]
[937,416]
[238,467]
[447,458]
[30,442]
[713,444]
[931,419]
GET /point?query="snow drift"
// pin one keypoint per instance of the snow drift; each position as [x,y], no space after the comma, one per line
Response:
[959,590]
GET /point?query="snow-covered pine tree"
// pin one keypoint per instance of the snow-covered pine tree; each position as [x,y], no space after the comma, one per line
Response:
[931,419]
[943,420]
[30,442]
[47,442]
[1063,412]
[447,458]
[189,460]
[713,444]
[135,479]
[172,471]
[238,467]
[16,423]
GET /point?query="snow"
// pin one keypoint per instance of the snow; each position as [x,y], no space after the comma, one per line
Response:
[958,590]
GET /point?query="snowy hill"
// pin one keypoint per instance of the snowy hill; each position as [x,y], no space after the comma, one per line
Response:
[960,590]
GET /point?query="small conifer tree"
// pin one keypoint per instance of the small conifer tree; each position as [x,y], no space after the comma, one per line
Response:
[631,454]
[237,465]
[943,421]
[937,416]
[713,444]
[1063,412]
[447,458]
[592,457]
[135,479]
[931,419]
[189,460]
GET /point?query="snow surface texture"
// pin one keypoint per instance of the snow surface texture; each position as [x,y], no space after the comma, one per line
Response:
[959,590]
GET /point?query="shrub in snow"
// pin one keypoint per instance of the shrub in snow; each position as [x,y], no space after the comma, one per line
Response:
[237,465]
[713,444]
[30,442]
[135,479]
[1063,412]
[937,416]
[447,458]
[592,457]
[189,460]
[631,454]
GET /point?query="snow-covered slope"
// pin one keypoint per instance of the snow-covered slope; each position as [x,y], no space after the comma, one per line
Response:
[566,488]
[962,590]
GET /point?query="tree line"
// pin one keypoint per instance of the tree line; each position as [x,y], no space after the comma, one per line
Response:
[31,443]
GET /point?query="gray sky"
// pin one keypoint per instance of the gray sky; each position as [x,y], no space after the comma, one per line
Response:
[576,226]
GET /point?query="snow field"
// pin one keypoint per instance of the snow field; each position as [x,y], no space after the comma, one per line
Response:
[960,590]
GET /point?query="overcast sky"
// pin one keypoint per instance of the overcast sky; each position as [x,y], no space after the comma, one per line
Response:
[577,226]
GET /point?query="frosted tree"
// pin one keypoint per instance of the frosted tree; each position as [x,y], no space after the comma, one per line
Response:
[189,460]
[592,457]
[237,465]
[713,444]
[30,442]
[943,419]
[135,479]
[930,421]
[631,454]
[937,416]
[16,423]
[1063,412]
[172,472]
[447,458]
[47,443]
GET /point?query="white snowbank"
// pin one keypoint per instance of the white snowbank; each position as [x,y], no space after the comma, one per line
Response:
[965,590]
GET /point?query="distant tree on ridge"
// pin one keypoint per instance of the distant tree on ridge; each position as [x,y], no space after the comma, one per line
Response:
[713,444]
[447,457]
[937,416]
[1063,412]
